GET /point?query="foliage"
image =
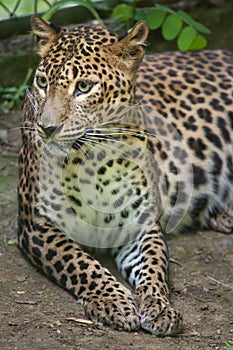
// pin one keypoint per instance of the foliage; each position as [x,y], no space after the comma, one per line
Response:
[16,8]
[85,3]
[228,346]
[174,25]
[12,97]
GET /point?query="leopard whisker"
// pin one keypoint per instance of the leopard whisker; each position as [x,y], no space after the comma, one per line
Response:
[117,133]
[112,145]
[21,128]
[30,98]
[129,131]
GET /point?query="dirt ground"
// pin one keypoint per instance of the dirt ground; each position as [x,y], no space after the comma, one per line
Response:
[37,314]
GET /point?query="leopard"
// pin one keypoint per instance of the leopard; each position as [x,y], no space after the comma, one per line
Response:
[119,149]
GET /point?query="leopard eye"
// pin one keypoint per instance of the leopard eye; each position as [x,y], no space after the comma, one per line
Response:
[82,87]
[42,82]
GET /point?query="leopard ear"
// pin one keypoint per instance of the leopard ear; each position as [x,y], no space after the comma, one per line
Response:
[46,32]
[130,49]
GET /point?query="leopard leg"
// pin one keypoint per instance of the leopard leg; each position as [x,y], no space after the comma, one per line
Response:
[144,263]
[105,300]
[223,222]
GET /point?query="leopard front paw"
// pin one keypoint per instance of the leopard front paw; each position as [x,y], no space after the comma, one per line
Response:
[223,222]
[118,311]
[158,317]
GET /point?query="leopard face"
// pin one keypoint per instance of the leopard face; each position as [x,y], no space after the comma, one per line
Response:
[115,152]
[88,73]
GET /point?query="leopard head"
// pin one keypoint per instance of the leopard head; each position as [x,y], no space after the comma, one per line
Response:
[81,69]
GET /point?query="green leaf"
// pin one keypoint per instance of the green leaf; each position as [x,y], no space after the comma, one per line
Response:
[201,28]
[171,27]
[189,20]
[198,44]
[155,18]
[122,12]
[186,38]
[11,242]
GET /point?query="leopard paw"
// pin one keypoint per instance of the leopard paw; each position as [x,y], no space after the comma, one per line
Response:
[223,222]
[158,317]
[117,313]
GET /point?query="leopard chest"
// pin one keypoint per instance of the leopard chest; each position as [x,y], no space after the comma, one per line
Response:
[101,196]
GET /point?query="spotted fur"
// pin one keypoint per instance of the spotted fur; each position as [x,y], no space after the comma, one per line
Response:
[103,167]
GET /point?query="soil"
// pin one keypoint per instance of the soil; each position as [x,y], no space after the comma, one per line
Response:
[37,314]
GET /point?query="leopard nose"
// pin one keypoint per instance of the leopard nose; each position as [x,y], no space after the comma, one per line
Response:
[51,130]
